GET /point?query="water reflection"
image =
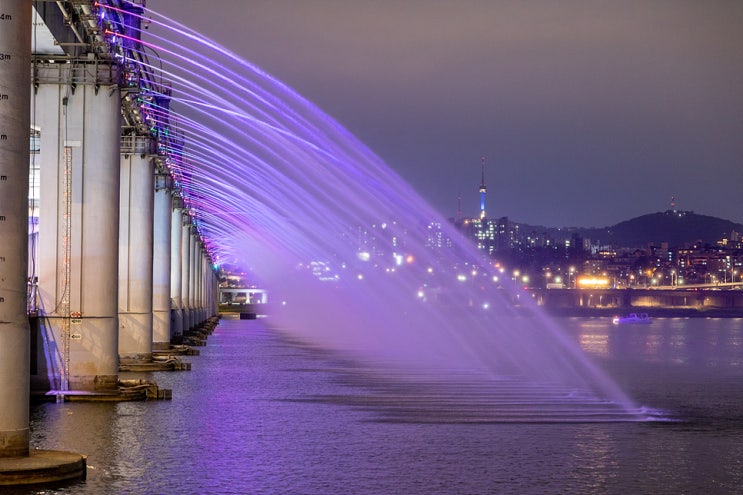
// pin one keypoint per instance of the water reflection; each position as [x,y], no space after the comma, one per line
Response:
[683,341]
[248,419]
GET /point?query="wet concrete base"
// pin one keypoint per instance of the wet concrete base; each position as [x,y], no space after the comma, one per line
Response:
[158,363]
[42,466]
[128,390]
[176,350]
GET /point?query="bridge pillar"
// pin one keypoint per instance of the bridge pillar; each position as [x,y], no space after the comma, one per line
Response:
[214,293]
[194,286]
[15,44]
[161,274]
[198,282]
[186,273]
[204,285]
[135,252]
[176,268]
[77,111]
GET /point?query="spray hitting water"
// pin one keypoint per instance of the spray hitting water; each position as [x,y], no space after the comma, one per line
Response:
[353,258]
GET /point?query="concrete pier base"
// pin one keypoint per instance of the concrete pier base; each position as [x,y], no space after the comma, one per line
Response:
[42,466]
[158,362]
[128,390]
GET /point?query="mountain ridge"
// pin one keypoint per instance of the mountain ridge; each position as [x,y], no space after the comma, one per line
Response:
[676,227]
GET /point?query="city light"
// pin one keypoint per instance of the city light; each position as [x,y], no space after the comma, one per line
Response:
[598,282]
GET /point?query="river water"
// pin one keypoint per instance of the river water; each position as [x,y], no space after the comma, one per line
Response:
[258,414]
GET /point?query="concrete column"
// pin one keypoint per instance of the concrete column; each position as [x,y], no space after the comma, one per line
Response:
[208,287]
[203,281]
[193,277]
[209,300]
[135,254]
[199,287]
[176,269]
[15,45]
[185,272]
[78,115]
[161,273]
[204,284]
[213,293]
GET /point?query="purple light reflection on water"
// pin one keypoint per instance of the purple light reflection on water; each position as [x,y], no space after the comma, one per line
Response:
[341,241]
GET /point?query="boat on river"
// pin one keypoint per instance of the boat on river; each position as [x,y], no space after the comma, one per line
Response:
[632,318]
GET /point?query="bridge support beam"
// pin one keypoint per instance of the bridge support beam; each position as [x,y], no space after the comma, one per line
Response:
[161,275]
[15,42]
[136,254]
[77,110]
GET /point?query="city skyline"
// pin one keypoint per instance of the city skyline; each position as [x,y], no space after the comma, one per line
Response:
[588,113]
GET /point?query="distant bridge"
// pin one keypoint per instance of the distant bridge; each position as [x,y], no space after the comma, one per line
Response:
[685,300]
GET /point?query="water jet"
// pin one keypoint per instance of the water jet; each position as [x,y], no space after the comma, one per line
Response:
[285,193]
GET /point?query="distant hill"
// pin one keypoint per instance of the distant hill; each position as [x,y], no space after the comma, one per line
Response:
[675,227]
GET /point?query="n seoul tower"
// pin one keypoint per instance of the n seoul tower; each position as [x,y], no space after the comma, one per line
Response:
[483,190]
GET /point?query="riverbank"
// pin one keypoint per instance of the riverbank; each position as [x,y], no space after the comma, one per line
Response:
[655,312]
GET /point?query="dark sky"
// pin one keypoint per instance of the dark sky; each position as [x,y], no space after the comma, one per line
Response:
[589,112]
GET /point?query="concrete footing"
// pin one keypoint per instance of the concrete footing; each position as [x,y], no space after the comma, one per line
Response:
[42,466]
[158,363]
[197,336]
[128,390]
[176,350]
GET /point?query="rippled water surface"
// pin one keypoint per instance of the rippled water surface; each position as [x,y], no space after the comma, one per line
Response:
[260,415]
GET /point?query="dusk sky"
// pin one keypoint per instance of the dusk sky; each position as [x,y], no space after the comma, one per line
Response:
[589,112]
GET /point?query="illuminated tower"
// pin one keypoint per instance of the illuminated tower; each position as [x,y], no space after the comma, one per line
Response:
[483,190]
